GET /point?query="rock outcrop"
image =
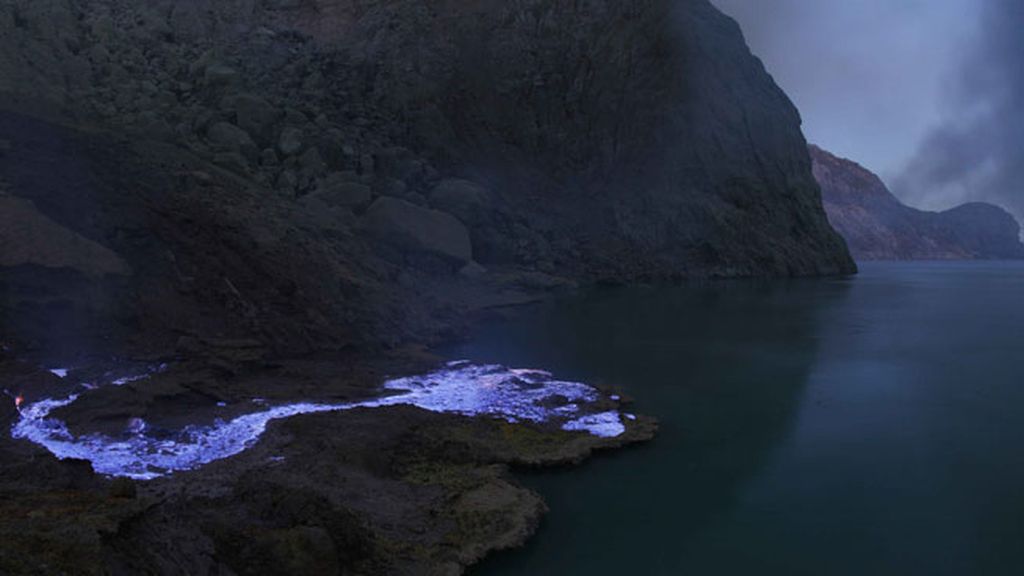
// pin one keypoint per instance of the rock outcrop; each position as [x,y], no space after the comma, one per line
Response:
[28,238]
[877,226]
[389,491]
[419,229]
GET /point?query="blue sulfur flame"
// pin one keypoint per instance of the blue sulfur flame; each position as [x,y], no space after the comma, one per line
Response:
[460,388]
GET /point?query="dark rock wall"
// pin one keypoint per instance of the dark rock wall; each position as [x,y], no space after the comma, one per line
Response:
[878,227]
[594,140]
[658,146]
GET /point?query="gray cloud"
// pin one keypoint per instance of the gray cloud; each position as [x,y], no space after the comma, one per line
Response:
[870,76]
[977,153]
[927,93]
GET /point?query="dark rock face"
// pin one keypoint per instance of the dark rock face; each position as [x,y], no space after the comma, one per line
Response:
[462,198]
[633,139]
[614,140]
[419,229]
[878,227]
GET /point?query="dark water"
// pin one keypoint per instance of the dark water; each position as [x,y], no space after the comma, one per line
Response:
[873,425]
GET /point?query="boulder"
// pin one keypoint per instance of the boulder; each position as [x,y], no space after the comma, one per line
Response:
[390,187]
[123,488]
[232,161]
[99,55]
[231,138]
[291,141]
[256,116]
[154,126]
[29,237]
[188,20]
[287,182]
[472,271]
[218,75]
[366,164]
[102,28]
[419,229]
[333,148]
[467,200]
[339,191]
[416,198]
[312,162]
[269,158]
[294,117]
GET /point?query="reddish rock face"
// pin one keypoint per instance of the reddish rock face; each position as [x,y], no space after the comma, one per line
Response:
[877,226]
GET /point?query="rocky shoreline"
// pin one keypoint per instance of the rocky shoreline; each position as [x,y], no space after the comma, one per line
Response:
[398,490]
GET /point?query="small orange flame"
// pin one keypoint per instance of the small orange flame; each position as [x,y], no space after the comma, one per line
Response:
[18,401]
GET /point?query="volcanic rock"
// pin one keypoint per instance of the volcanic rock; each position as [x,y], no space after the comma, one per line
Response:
[218,75]
[231,138]
[256,116]
[28,237]
[291,141]
[419,229]
[343,193]
[877,226]
[466,200]
[312,162]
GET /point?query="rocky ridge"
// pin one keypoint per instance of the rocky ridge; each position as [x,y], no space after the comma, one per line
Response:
[877,226]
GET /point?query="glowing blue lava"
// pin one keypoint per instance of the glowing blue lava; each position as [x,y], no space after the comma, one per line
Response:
[460,388]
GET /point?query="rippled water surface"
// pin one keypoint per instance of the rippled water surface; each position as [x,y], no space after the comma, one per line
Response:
[872,425]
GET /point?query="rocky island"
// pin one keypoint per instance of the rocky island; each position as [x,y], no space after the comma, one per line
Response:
[213,209]
[877,226]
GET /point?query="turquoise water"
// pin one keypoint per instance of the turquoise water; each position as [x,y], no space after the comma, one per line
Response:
[870,425]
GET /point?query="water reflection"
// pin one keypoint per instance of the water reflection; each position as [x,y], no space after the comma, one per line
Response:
[723,366]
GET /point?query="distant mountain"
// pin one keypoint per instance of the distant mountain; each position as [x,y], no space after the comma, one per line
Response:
[877,226]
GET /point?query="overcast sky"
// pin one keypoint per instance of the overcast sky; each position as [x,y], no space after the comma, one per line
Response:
[883,82]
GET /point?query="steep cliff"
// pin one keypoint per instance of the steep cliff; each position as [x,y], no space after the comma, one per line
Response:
[877,226]
[584,141]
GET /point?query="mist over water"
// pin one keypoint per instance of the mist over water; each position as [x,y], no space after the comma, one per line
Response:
[976,153]
[846,427]
[924,93]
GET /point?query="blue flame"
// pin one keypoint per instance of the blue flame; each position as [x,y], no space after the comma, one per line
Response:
[514,395]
